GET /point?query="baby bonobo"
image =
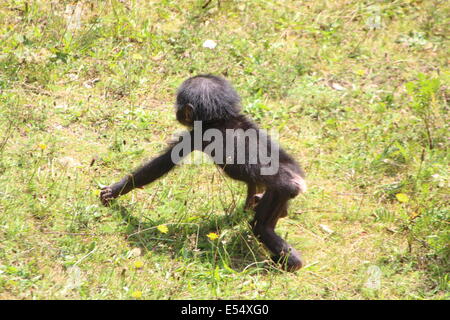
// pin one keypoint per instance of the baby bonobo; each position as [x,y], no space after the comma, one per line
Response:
[210,107]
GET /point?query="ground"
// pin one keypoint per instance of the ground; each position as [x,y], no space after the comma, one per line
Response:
[357,91]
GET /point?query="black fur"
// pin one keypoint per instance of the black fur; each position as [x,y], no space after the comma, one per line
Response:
[212,97]
[213,101]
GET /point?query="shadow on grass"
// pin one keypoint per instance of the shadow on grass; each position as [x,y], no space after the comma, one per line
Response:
[236,247]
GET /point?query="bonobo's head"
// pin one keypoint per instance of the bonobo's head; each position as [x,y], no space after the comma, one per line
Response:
[206,98]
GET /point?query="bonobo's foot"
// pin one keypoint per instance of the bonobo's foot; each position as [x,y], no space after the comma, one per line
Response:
[106,195]
[290,261]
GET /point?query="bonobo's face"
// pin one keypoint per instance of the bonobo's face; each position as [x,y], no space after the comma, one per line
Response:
[185,115]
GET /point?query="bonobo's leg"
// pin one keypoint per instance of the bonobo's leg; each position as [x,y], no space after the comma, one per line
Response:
[284,211]
[253,198]
[272,206]
[251,190]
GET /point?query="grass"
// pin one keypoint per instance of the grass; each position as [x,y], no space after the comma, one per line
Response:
[357,89]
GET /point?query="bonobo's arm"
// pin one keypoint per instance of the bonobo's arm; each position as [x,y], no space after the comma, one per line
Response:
[146,174]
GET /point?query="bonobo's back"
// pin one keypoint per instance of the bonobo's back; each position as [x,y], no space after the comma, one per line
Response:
[213,101]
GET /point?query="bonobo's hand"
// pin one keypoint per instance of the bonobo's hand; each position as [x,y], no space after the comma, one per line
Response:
[107,194]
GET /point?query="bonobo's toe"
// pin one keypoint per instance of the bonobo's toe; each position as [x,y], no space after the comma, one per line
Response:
[290,262]
[106,196]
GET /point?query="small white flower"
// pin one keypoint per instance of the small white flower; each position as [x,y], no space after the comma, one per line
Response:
[337,86]
[210,44]
[326,228]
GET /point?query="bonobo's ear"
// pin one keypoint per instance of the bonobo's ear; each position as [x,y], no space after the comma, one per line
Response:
[188,113]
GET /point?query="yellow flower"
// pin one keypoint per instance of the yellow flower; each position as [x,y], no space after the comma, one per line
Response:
[138,264]
[414,215]
[42,146]
[136,294]
[360,72]
[162,228]
[96,192]
[212,236]
[401,197]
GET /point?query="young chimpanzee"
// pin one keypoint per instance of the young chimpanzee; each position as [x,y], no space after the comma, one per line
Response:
[210,107]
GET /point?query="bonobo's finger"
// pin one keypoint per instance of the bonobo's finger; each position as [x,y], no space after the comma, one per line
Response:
[106,201]
[105,193]
[106,196]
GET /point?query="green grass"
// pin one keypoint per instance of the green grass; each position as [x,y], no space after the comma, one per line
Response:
[357,89]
